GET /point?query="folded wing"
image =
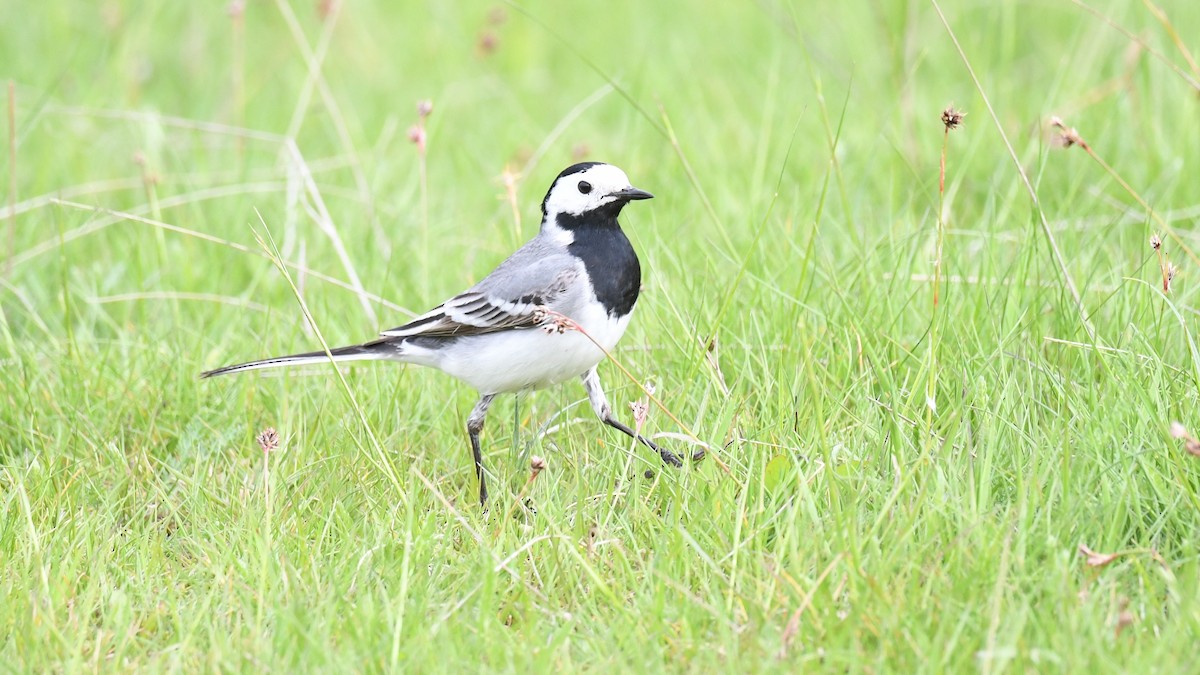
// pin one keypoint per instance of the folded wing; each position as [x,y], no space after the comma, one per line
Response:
[509,298]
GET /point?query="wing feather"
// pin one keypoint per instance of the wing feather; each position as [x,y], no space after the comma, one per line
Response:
[495,304]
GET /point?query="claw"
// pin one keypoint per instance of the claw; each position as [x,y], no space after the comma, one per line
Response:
[670,458]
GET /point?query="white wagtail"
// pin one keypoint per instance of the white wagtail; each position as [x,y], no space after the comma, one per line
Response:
[504,334]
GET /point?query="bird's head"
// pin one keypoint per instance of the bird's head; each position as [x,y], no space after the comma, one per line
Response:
[589,188]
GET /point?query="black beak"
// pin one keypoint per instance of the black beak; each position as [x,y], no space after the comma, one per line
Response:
[631,193]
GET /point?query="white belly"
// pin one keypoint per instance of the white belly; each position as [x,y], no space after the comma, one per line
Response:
[513,361]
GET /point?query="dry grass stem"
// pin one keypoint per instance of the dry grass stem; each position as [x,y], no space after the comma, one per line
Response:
[1067,136]
[1095,559]
[237,75]
[1047,232]
[537,464]
[12,175]
[119,216]
[510,179]
[951,119]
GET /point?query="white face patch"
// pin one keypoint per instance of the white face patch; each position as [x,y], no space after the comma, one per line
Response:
[586,190]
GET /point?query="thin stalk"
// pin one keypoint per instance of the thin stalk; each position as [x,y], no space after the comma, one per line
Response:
[12,175]
[935,332]
[237,78]
[1048,232]
[380,458]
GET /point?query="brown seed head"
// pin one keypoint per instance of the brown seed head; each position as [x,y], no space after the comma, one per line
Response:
[537,464]
[268,439]
[1190,444]
[1066,136]
[1155,241]
[509,178]
[640,412]
[416,134]
[487,42]
[326,8]
[952,118]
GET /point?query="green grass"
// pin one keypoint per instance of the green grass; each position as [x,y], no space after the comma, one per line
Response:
[855,529]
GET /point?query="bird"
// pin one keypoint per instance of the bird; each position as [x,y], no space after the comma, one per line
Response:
[515,330]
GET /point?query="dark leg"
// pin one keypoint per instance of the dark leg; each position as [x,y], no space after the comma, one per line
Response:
[591,383]
[474,426]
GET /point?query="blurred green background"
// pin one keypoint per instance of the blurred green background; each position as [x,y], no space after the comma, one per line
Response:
[794,149]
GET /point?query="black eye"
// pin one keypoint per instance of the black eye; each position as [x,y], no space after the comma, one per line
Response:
[585,187]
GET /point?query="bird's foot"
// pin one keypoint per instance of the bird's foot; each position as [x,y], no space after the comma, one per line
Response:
[669,457]
[673,459]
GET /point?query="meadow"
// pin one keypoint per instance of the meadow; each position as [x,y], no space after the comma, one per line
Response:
[947,384]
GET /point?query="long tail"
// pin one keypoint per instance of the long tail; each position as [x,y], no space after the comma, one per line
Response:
[370,351]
